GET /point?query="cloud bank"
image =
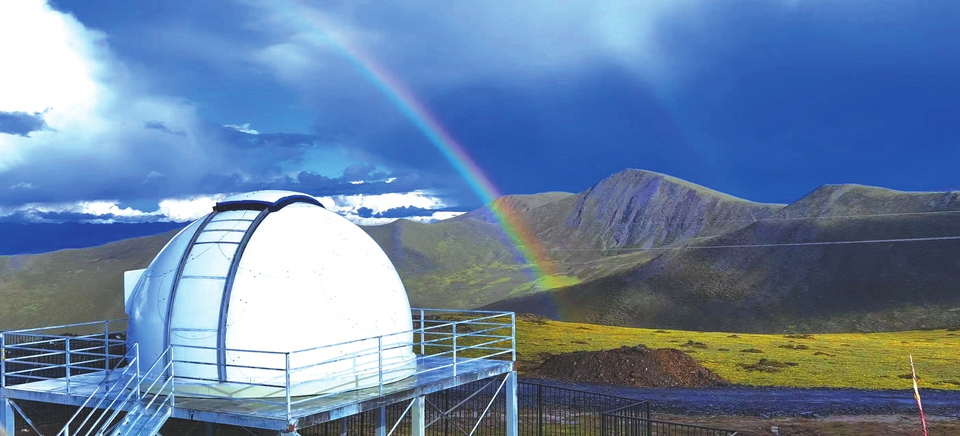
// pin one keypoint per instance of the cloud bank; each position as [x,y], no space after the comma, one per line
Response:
[77,127]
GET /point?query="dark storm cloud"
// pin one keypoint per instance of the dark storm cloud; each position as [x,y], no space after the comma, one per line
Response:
[210,159]
[365,212]
[21,123]
[410,211]
[317,184]
[156,125]
[31,215]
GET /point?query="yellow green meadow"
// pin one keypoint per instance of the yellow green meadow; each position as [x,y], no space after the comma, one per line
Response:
[836,360]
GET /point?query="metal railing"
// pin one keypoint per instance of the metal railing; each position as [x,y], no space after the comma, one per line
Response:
[119,394]
[151,411]
[53,353]
[634,421]
[454,337]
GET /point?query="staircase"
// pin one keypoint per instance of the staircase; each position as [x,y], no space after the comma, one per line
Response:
[148,396]
[144,420]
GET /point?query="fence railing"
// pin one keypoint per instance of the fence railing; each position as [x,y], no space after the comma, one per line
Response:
[628,422]
[59,352]
[543,410]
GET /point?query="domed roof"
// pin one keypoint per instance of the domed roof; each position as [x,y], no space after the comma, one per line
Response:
[270,271]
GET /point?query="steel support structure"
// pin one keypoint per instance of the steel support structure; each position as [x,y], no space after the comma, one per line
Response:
[418,417]
[513,428]
[8,419]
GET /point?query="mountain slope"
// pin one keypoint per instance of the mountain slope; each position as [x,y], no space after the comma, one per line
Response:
[636,249]
[844,287]
[640,209]
[452,263]
[69,286]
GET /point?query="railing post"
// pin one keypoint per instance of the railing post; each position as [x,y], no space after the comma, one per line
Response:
[106,346]
[380,364]
[287,372]
[3,364]
[539,411]
[649,421]
[603,424]
[136,357]
[513,336]
[173,380]
[454,349]
[68,365]
[423,327]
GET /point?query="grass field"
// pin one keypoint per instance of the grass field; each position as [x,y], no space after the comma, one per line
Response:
[842,360]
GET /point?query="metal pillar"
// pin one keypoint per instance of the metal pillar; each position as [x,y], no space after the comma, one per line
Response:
[7,417]
[381,421]
[418,417]
[512,416]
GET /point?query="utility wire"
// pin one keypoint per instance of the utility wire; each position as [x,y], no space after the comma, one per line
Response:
[785,244]
[806,218]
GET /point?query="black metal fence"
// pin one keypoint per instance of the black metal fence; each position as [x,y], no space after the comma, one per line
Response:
[626,426]
[635,421]
[542,410]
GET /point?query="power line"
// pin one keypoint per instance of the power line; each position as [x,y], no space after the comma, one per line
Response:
[808,218]
[785,244]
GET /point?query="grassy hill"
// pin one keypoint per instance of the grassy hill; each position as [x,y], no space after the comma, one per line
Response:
[69,286]
[637,249]
[769,287]
[837,360]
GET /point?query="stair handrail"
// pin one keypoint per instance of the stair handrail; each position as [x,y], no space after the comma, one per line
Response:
[168,380]
[113,404]
[133,363]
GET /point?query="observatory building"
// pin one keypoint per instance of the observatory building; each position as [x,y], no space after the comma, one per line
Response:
[275,272]
[270,312]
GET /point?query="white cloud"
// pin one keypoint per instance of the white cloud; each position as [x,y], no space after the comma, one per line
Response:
[22,185]
[44,66]
[243,128]
[449,43]
[105,208]
[378,203]
[98,114]
[188,209]
[435,217]
[195,207]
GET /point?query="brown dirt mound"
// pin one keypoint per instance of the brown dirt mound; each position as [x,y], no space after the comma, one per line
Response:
[630,366]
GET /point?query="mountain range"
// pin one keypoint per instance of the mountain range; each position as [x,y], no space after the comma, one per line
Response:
[638,248]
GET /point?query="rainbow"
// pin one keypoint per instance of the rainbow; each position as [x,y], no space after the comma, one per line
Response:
[522,237]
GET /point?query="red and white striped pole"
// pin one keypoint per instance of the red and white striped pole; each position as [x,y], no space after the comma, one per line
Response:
[916,395]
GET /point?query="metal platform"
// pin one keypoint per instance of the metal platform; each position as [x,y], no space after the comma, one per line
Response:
[273,414]
[453,348]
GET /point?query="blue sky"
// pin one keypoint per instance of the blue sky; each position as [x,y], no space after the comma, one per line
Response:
[148,110]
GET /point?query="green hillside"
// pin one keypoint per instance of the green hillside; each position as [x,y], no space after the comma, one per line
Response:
[637,249]
[71,286]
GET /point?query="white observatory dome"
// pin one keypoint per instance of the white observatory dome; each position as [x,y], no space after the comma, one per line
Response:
[271,271]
